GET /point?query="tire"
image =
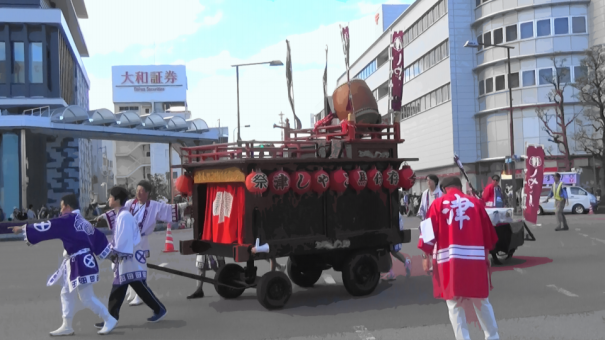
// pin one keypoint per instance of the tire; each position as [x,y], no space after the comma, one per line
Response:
[226,275]
[303,277]
[578,209]
[360,274]
[274,290]
[540,211]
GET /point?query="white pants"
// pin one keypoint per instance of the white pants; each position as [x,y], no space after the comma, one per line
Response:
[485,314]
[81,297]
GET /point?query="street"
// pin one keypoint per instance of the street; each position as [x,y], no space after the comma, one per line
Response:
[552,289]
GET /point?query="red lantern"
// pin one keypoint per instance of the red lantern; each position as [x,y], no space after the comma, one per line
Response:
[301,182]
[390,179]
[374,180]
[358,179]
[184,185]
[339,180]
[279,182]
[320,181]
[407,178]
[257,182]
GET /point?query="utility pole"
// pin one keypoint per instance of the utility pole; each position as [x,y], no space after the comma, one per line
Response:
[281,123]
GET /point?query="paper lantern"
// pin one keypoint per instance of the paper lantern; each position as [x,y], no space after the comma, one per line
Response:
[374,179]
[184,185]
[279,182]
[358,179]
[320,181]
[339,180]
[301,182]
[390,179]
[257,182]
[407,178]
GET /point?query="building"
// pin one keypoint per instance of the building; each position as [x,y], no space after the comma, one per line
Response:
[456,99]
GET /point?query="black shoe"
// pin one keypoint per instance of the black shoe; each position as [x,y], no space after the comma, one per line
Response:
[196,295]
[99,325]
[559,229]
[157,317]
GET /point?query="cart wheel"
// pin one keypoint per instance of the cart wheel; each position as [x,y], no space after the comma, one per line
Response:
[226,275]
[360,274]
[303,277]
[274,290]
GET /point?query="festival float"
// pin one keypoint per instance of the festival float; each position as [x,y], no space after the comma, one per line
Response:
[324,197]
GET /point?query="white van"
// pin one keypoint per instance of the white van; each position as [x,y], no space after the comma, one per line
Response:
[580,201]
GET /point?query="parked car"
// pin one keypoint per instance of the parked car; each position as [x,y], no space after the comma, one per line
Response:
[580,201]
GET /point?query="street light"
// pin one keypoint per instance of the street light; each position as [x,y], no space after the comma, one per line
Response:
[474,44]
[246,126]
[271,63]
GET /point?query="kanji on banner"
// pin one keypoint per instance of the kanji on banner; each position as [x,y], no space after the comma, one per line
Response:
[397,70]
[534,163]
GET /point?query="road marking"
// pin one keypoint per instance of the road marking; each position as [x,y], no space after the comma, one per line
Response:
[519,270]
[583,235]
[562,291]
[163,264]
[363,333]
[578,229]
[329,279]
[538,225]
[597,239]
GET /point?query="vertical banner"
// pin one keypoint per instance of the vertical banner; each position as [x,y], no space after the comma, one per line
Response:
[534,164]
[344,35]
[297,123]
[396,70]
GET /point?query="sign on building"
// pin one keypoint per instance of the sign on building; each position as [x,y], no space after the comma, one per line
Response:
[149,83]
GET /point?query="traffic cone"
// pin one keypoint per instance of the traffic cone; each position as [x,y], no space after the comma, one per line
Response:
[169,245]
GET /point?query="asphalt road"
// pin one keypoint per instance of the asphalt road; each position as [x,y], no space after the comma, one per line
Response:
[552,289]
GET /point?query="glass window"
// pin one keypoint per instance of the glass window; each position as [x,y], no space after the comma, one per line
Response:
[36,68]
[489,85]
[561,26]
[578,24]
[439,97]
[543,27]
[580,72]
[511,33]
[527,30]
[487,38]
[446,92]
[564,74]
[513,80]
[480,41]
[481,88]
[498,36]
[433,99]
[545,76]
[500,83]
[2,62]
[18,63]
[529,78]
[477,3]
[444,51]
[437,55]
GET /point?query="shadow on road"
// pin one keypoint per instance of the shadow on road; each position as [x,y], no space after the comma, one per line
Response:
[521,262]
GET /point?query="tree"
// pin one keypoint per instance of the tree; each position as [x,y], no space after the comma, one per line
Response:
[557,134]
[591,93]
[160,189]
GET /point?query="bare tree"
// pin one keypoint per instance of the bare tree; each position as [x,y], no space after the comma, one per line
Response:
[560,79]
[591,92]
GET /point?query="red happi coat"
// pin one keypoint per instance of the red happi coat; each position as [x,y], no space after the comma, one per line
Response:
[460,266]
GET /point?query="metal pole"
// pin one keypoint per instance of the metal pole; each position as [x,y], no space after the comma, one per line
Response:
[23,171]
[239,138]
[512,140]
[170,171]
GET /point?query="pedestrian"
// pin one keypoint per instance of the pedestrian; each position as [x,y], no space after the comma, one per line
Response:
[459,235]
[2,215]
[492,194]
[561,201]
[146,212]
[31,215]
[79,268]
[130,263]
[204,263]
[13,215]
[395,252]
[429,195]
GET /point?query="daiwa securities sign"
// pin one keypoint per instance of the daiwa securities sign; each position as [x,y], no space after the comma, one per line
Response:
[150,83]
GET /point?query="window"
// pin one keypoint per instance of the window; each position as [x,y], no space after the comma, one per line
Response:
[527,30]
[128,108]
[175,175]
[481,88]
[36,68]
[500,83]
[146,110]
[489,85]
[561,26]
[564,74]
[424,22]
[446,92]
[511,33]
[477,3]
[544,76]
[543,27]
[427,61]
[529,78]
[18,63]
[498,36]
[578,24]
[487,39]
[2,62]
[433,99]
[367,71]
[580,72]
[480,41]
[513,80]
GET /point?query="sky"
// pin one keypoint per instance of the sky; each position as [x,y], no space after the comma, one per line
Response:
[208,36]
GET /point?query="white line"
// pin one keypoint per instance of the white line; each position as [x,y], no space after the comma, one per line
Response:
[329,279]
[538,225]
[519,270]
[363,333]
[562,291]
[583,235]
[597,239]
[578,229]
[163,264]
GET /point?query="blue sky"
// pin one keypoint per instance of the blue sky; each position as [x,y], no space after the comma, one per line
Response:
[209,35]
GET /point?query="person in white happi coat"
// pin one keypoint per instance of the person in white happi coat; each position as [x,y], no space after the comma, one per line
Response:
[146,212]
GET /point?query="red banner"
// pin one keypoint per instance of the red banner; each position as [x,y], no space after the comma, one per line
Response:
[396,70]
[533,182]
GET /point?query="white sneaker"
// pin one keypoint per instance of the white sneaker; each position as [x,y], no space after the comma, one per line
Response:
[108,326]
[64,330]
[130,294]
[136,301]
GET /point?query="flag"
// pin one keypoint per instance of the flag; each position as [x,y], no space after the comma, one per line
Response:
[325,81]
[297,123]
[396,70]
[344,35]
